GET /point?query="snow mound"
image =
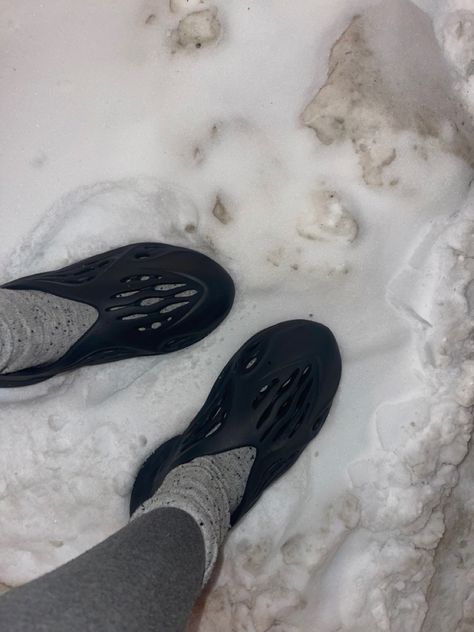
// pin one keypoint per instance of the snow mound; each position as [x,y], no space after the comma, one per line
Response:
[301,150]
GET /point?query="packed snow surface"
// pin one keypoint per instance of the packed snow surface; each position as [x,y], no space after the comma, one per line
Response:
[322,152]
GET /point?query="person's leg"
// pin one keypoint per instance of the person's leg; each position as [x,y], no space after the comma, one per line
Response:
[38,328]
[269,402]
[147,576]
[144,578]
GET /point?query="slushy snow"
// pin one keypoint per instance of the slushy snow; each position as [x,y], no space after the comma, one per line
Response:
[323,154]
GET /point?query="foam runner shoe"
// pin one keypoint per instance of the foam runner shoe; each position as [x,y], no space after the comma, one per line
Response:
[274,395]
[151,299]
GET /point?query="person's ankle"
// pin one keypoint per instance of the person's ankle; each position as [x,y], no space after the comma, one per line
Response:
[39,328]
[209,489]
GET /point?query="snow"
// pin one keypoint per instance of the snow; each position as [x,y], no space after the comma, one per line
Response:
[322,154]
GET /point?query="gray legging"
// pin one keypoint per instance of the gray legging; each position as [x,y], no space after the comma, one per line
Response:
[144,578]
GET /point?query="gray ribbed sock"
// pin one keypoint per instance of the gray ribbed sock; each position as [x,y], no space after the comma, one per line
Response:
[38,328]
[209,488]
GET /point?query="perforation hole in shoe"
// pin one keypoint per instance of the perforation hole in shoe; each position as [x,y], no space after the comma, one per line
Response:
[92,266]
[116,308]
[303,395]
[280,425]
[206,427]
[151,300]
[265,415]
[142,255]
[163,290]
[153,327]
[186,294]
[288,382]
[148,250]
[284,408]
[305,374]
[267,433]
[282,431]
[79,273]
[250,358]
[126,294]
[174,344]
[173,306]
[132,316]
[213,430]
[284,418]
[166,287]
[215,415]
[141,278]
[298,423]
[252,362]
[72,281]
[101,263]
[263,393]
[83,270]
[202,423]
[82,279]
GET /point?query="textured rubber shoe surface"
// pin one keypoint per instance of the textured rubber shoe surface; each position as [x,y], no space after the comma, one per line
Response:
[274,394]
[151,299]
